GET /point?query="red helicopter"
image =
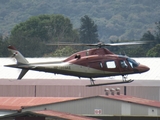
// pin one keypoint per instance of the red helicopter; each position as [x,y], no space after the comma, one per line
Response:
[90,63]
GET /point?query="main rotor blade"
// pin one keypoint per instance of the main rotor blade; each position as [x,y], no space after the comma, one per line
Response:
[127,43]
[99,44]
[66,44]
[71,44]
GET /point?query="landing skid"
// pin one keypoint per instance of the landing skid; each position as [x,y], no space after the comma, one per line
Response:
[111,83]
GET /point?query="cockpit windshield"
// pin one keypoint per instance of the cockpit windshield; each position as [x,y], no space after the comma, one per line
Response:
[132,62]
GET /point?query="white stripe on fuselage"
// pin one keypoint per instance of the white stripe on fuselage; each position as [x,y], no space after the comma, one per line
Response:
[72,68]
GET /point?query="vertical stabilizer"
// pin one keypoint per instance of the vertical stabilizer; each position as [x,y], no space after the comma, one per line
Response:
[19,57]
[20,60]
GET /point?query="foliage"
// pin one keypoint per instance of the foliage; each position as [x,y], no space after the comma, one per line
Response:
[31,36]
[131,51]
[120,20]
[45,27]
[152,49]
[154,52]
[126,19]
[62,52]
[136,51]
[157,33]
[88,30]
[3,47]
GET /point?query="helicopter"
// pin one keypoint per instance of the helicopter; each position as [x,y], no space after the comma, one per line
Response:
[91,63]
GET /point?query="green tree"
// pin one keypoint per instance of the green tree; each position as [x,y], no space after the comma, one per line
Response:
[157,33]
[62,52]
[3,47]
[154,52]
[151,49]
[148,36]
[60,28]
[31,36]
[88,30]
[136,51]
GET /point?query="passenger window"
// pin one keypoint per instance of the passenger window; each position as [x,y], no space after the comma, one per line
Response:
[123,64]
[111,64]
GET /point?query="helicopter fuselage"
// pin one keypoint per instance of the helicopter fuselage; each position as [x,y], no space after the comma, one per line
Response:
[91,63]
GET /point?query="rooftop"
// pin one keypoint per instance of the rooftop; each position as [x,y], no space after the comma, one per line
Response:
[16,103]
[132,99]
[31,102]
[63,115]
[48,113]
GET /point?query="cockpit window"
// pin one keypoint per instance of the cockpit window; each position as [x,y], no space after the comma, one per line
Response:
[132,62]
[123,64]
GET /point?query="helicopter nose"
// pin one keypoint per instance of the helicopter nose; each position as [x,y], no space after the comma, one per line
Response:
[143,68]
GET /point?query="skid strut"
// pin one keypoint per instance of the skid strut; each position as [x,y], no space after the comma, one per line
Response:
[92,81]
